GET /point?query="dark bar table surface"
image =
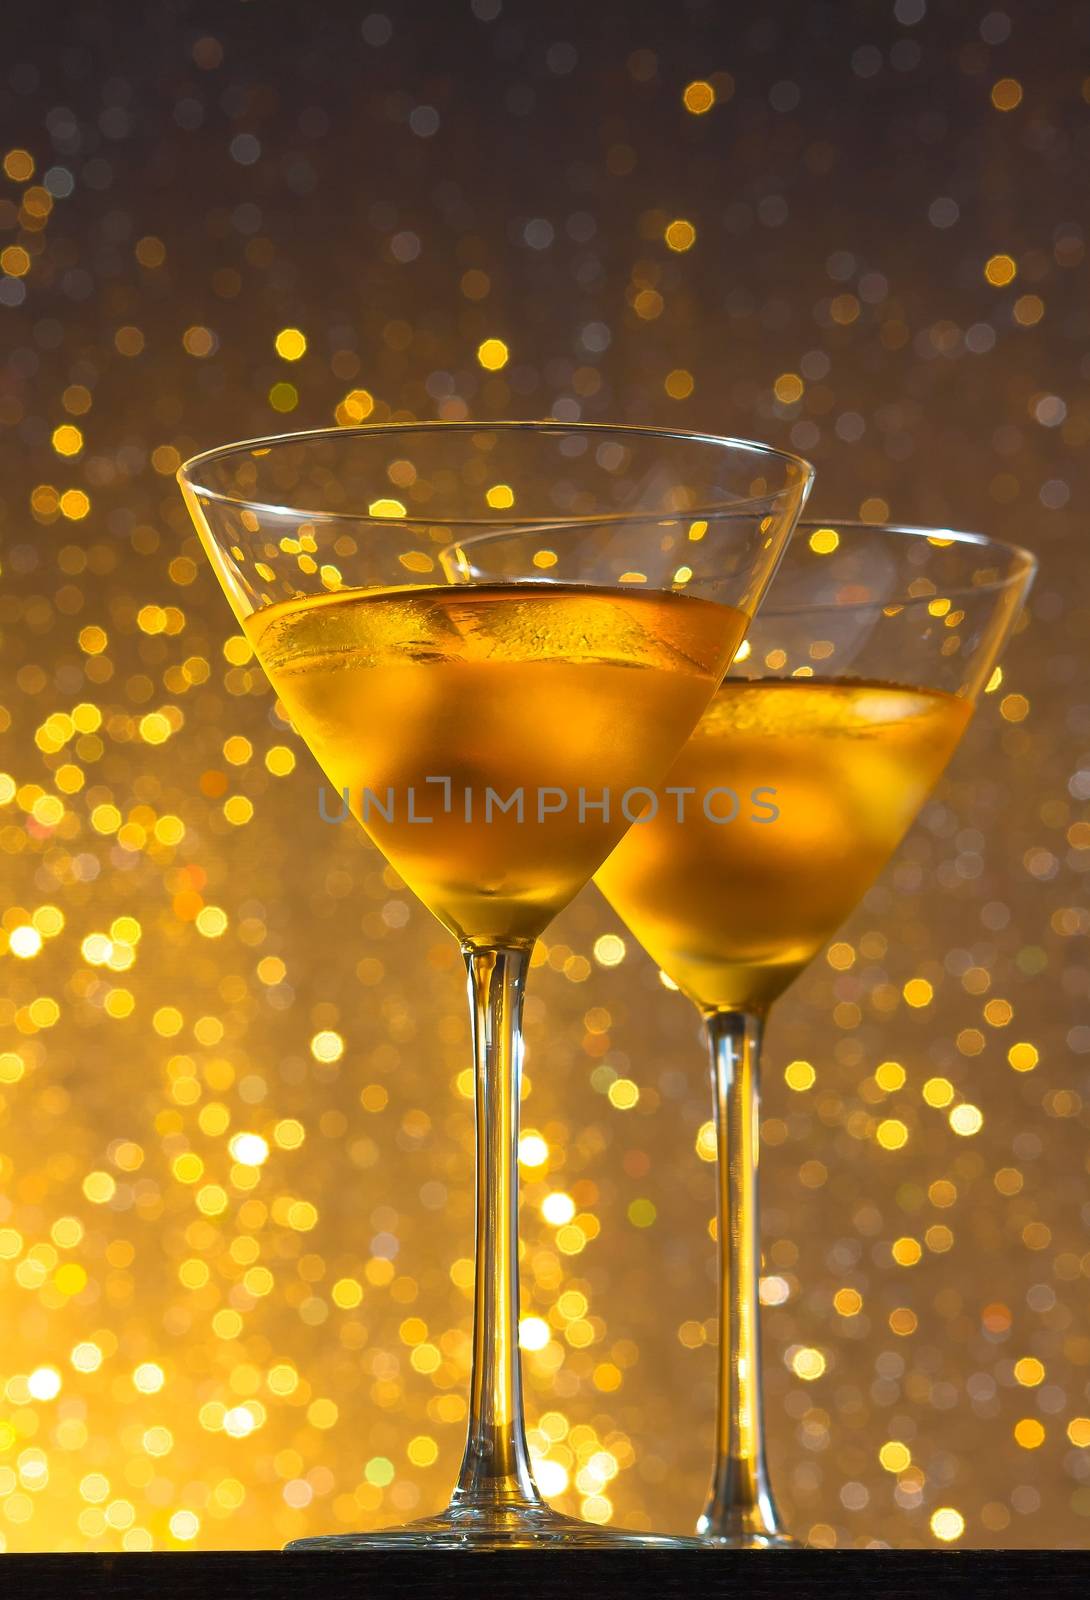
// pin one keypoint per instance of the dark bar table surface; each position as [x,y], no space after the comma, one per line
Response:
[739,1575]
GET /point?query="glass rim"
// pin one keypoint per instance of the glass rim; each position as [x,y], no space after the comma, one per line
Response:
[1024,566]
[186,473]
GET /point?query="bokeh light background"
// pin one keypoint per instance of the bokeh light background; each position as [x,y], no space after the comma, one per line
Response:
[235,1191]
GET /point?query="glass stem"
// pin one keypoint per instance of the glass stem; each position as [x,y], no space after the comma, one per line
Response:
[496,1467]
[740,1508]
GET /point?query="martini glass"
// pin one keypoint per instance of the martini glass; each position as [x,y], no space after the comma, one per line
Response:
[489,709]
[840,712]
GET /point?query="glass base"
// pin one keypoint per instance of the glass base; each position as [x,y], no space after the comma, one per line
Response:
[750,1541]
[492,1528]
[741,1516]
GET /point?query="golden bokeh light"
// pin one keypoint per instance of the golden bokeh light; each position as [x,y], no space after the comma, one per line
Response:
[1000,270]
[698,97]
[493,354]
[291,344]
[947,1524]
[1006,94]
[680,235]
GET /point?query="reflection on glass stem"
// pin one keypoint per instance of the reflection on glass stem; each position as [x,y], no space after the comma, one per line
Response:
[740,1508]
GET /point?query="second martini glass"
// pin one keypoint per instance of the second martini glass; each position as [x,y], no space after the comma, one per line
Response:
[843,707]
[490,708]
